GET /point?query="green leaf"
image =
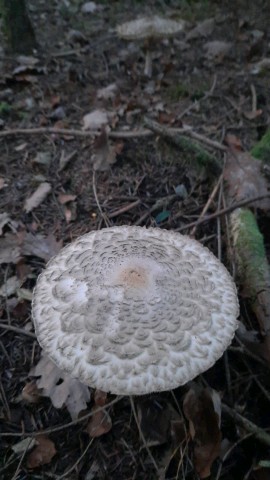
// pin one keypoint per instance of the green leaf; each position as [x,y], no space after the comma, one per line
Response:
[162,216]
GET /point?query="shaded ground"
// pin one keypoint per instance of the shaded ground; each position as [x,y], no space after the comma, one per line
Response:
[152,183]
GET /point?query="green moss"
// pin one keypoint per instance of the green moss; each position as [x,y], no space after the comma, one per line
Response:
[183,90]
[5,108]
[176,92]
[262,149]
[249,250]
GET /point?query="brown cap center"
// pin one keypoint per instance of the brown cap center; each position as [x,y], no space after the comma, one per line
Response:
[133,277]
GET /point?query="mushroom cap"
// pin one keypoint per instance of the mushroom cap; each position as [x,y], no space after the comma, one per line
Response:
[149,27]
[130,310]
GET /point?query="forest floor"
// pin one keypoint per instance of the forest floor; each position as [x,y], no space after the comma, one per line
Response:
[212,80]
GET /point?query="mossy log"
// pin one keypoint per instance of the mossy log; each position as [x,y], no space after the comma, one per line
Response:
[253,270]
[252,267]
[200,156]
[262,149]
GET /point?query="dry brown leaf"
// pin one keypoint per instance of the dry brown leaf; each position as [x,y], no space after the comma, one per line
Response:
[65,159]
[100,398]
[37,197]
[99,424]
[39,246]
[4,220]
[104,153]
[3,183]
[202,29]
[96,119]
[202,409]
[43,158]
[233,142]
[42,454]
[31,393]
[253,114]
[217,49]
[24,445]
[154,419]
[21,147]
[10,251]
[64,198]
[263,66]
[244,179]
[107,93]
[71,393]
[10,286]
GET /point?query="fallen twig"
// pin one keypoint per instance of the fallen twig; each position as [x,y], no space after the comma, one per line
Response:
[10,328]
[221,212]
[74,133]
[249,426]
[59,428]
[208,203]
[201,156]
[124,209]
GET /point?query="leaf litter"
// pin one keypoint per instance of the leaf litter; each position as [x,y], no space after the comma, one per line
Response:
[139,174]
[37,197]
[60,387]
[202,408]
[42,454]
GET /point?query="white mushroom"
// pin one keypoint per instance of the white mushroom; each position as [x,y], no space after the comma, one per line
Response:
[130,310]
[148,29]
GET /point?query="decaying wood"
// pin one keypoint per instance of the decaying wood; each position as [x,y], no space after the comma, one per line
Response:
[201,156]
[252,267]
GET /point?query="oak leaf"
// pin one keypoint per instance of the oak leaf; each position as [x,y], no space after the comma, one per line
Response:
[60,387]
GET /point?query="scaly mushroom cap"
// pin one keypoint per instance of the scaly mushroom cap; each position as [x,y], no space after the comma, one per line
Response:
[149,27]
[131,310]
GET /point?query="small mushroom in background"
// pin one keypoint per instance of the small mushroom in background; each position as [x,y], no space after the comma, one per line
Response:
[149,29]
[130,310]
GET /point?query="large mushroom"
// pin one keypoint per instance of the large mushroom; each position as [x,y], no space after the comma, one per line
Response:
[130,310]
[149,29]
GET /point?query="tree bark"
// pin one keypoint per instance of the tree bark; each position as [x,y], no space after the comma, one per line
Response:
[17,27]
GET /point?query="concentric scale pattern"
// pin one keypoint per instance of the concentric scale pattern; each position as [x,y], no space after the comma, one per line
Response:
[130,310]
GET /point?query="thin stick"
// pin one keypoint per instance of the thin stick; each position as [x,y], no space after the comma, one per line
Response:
[207,95]
[227,454]
[221,212]
[144,132]
[76,133]
[21,460]
[104,216]
[249,426]
[77,461]
[5,326]
[61,427]
[141,433]
[124,209]
[203,139]
[208,203]
[254,98]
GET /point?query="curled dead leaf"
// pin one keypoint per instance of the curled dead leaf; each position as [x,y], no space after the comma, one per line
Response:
[31,393]
[99,424]
[42,247]
[64,198]
[100,398]
[96,119]
[42,454]
[104,152]
[202,409]
[244,179]
[37,197]
[70,392]
[217,50]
